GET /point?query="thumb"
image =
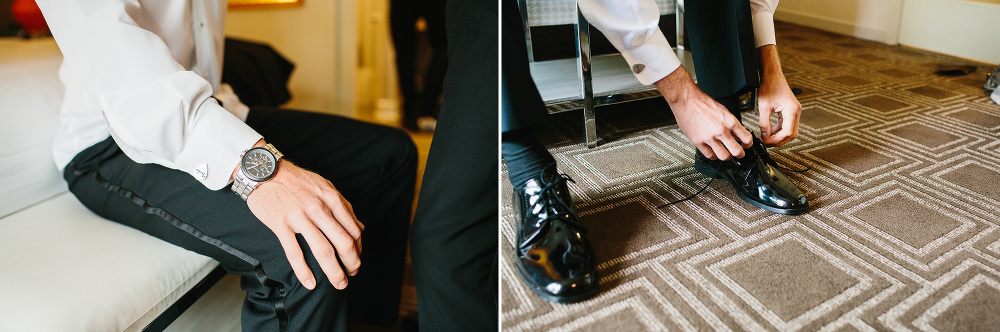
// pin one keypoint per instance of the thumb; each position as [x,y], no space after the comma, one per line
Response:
[765,120]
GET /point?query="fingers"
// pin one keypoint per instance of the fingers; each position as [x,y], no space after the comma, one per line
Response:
[706,151]
[351,208]
[778,126]
[333,232]
[744,136]
[720,150]
[734,148]
[765,122]
[346,218]
[788,127]
[294,255]
[344,214]
[326,256]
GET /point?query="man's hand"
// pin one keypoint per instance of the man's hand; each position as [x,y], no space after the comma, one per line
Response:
[713,130]
[775,96]
[297,201]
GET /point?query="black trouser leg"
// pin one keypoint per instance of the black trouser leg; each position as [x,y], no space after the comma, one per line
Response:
[521,104]
[522,107]
[403,14]
[453,243]
[172,206]
[434,77]
[375,168]
[722,43]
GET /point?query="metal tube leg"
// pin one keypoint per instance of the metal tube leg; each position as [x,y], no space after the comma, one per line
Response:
[586,78]
[590,124]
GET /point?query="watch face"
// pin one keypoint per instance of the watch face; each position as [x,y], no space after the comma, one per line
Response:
[258,164]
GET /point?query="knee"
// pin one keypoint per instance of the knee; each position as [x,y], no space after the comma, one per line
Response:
[401,153]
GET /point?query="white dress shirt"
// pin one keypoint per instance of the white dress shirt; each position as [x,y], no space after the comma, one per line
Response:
[632,27]
[144,73]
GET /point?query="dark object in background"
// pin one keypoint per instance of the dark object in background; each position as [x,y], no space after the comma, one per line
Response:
[26,13]
[258,74]
[421,58]
[954,70]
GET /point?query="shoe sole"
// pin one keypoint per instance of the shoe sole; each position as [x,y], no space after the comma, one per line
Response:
[549,297]
[707,170]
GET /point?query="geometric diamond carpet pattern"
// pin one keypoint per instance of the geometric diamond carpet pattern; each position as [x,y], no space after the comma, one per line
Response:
[902,232]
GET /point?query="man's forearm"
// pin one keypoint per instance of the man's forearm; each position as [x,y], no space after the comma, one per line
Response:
[770,64]
[675,86]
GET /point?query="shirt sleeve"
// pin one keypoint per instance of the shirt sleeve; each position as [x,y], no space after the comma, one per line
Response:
[762,12]
[156,111]
[633,28]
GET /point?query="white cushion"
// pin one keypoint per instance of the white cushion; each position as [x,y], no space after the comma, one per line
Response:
[63,268]
[30,95]
[66,269]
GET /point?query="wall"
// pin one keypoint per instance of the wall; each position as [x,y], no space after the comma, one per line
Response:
[961,28]
[320,38]
[876,20]
[376,87]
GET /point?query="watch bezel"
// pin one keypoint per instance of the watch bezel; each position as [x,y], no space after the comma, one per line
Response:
[270,156]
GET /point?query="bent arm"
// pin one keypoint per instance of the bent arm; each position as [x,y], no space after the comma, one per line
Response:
[156,110]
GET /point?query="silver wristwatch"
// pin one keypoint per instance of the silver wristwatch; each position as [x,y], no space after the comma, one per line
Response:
[256,165]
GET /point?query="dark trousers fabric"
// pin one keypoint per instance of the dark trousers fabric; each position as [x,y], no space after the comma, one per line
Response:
[524,155]
[720,34]
[453,244]
[374,167]
[403,15]
[722,44]
[521,104]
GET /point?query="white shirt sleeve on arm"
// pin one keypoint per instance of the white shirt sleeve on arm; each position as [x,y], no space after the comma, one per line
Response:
[762,12]
[632,27]
[156,111]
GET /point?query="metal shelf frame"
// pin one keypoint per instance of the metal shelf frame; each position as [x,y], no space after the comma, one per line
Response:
[586,81]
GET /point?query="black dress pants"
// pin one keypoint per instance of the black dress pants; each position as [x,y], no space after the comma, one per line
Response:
[721,42]
[403,15]
[454,239]
[374,167]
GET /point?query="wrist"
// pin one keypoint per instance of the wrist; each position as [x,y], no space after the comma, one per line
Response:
[257,165]
[676,86]
[770,64]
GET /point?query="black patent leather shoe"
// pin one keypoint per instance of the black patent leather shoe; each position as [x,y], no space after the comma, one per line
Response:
[756,179]
[554,257]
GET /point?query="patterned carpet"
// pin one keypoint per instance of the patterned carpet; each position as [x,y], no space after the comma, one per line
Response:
[902,233]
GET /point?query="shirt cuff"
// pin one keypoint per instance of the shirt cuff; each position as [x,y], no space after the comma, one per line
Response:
[214,147]
[653,60]
[231,102]
[763,28]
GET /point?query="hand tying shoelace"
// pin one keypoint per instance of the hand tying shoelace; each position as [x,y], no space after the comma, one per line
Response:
[767,158]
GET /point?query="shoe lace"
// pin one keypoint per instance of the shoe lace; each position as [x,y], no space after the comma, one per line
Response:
[550,197]
[765,156]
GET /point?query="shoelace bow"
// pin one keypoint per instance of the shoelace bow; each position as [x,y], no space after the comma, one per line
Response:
[548,195]
[760,155]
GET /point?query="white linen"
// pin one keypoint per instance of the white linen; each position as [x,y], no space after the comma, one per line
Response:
[30,94]
[143,72]
[66,269]
[632,27]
